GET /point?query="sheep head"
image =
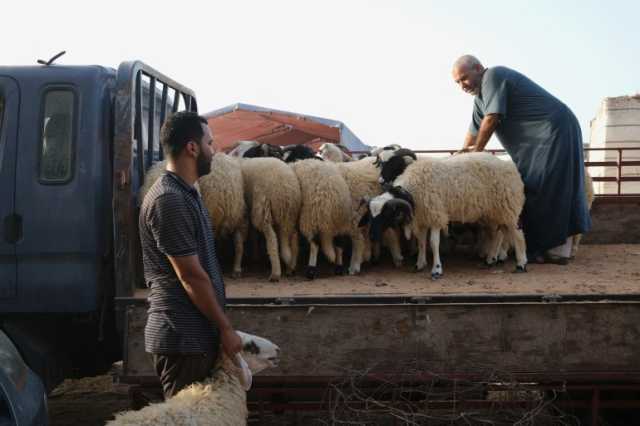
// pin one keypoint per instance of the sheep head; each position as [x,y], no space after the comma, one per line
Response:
[396,165]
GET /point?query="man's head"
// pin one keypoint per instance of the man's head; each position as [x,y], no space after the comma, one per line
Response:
[186,135]
[467,72]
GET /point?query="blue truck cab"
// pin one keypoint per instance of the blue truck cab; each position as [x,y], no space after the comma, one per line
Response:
[75,142]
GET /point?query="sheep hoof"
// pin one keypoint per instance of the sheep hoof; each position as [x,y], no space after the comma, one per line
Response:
[489,264]
[290,272]
[311,272]
[274,278]
[520,269]
[236,274]
[340,270]
[418,268]
[435,275]
[500,262]
[397,263]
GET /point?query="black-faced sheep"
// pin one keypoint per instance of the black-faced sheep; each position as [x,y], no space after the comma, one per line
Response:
[467,188]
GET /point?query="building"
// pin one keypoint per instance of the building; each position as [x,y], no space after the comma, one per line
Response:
[616,125]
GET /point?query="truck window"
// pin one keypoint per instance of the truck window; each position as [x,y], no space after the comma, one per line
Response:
[57,137]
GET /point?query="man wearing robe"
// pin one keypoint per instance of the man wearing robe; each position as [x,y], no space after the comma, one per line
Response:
[544,139]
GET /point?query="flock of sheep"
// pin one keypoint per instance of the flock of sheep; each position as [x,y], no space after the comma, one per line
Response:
[336,202]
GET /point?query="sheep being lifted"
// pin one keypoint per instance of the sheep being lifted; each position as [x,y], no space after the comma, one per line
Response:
[220,400]
[428,193]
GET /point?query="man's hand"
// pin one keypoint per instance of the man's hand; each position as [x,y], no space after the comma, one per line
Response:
[466,149]
[231,342]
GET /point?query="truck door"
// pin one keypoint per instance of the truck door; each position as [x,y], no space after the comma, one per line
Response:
[10,224]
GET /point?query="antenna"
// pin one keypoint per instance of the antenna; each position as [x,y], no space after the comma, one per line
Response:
[50,61]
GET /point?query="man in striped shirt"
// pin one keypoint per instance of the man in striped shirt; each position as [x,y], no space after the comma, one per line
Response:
[186,322]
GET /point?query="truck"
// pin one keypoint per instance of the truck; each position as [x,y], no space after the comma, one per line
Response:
[75,143]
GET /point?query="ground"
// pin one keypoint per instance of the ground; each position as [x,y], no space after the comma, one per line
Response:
[598,269]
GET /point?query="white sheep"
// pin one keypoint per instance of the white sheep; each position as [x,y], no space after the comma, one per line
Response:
[222,191]
[334,152]
[326,211]
[466,188]
[273,196]
[222,195]
[220,400]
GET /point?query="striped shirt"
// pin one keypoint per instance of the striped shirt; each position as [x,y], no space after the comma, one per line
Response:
[173,222]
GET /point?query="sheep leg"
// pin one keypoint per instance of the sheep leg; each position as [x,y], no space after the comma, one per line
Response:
[339,269]
[421,236]
[326,242]
[272,251]
[238,240]
[312,269]
[496,242]
[373,251]
[295,249]
[391,239]
[358,243]
[434,239]
[574,246]
[285,249]
[520,247]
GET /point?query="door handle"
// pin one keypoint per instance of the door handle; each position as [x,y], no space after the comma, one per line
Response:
[13,228]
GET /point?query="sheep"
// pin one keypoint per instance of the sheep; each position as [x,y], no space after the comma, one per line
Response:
[263,150]
[152,175]
[326,211]
[222,192]
[241,147]
[293,153]
[362,180]
[273,196]
[431,192]
[334,152]
[218,400]
[222,195]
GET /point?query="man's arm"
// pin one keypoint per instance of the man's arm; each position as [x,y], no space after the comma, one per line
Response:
[487,127]
[197,284]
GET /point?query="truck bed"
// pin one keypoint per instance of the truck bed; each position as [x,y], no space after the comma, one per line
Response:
[582,319]
[597,269]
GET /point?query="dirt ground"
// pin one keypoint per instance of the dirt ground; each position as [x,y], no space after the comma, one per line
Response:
[598,269]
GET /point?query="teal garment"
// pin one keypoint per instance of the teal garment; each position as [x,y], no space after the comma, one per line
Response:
[544,139]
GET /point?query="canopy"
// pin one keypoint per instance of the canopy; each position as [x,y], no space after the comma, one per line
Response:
[240,122]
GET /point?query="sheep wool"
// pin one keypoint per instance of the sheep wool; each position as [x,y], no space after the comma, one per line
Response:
[273,196]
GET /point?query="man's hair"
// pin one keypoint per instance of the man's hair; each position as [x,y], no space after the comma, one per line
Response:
[467,61]
[179,129]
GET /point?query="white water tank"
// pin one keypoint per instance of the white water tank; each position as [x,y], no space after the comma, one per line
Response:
[616,125]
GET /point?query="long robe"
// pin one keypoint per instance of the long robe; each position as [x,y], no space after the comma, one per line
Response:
[544,139]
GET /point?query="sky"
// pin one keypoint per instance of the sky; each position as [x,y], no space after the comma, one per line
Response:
[381,67]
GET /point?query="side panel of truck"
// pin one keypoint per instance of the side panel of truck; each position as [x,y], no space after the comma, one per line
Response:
[9,104]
